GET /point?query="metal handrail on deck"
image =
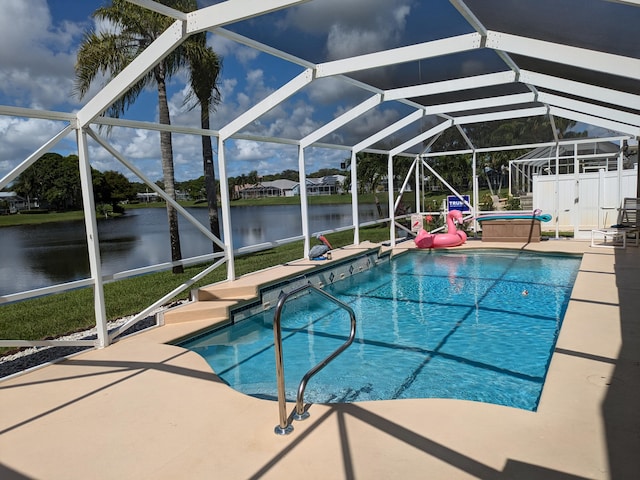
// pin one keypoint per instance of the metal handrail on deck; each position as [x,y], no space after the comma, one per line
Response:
[285,427]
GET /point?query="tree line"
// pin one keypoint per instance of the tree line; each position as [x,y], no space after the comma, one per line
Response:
[54,181]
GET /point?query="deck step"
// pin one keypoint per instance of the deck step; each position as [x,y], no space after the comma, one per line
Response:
[194,311]
[221,292]
[215,302]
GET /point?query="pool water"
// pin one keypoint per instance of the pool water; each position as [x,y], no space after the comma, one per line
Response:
[474,325]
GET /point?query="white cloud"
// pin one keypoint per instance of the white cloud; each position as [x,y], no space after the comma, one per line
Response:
[329,91]
[351,32]
[37,57]
[249,150]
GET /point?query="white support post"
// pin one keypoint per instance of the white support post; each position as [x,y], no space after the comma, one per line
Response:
[419,192]
[226,211]
[392,213]
[93,242]
[556,191]
[619,172]
[304,207]
[577,208]
[474,187]
[355,214]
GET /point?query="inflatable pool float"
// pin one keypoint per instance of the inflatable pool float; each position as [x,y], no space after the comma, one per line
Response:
[535,215]
[452,238]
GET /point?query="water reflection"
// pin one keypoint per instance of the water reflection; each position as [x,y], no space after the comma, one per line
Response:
[34,256]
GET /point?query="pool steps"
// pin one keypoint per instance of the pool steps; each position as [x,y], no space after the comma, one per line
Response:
[245,296]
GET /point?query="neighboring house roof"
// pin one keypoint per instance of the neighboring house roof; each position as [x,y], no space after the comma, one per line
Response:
[11,196]
[282,184]
[327,180]
[333,179]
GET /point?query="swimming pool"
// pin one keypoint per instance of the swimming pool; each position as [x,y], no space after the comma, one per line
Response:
[476,325]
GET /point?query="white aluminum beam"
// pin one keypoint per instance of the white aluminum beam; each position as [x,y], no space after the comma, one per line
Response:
[140,65]
[479,27]
[423,136]
[385,132]
[605,95]
[190,218]
[436,48]
[464,135]
[599,122]
[528,146]
[159,127]
[465,83]
[31,159]
[93,241]
[343,119]
[355,214]
[469,16]
[505,115]
[31,113]
[304,202]
[233,11]
[267,104]
[565,54]
[226,210]
[160,8]
[635,3]
[590,109]
[448,153]
[481,103]
[250,42]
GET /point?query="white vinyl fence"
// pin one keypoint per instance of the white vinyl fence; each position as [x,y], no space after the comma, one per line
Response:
[583,202]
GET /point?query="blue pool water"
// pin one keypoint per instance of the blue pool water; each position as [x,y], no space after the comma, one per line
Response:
[430,325]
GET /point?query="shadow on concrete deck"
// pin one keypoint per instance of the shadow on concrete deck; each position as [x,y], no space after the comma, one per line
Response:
[621,407]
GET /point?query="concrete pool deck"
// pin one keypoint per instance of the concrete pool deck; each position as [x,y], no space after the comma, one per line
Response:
[143,409]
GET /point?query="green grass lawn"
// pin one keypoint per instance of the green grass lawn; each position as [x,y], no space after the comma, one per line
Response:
[39,218]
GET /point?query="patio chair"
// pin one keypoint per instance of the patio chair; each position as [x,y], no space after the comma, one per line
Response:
[628,218]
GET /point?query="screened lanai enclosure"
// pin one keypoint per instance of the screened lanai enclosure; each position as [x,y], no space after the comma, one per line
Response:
[411,80]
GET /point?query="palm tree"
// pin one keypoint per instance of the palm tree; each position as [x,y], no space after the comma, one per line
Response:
[204,68]
[108,53]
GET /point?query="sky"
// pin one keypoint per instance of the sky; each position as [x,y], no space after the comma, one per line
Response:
[39,40]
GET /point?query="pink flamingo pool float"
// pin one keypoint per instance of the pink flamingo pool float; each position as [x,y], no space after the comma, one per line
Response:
[452,238]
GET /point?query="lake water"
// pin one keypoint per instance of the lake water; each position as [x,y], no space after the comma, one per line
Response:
[35,256]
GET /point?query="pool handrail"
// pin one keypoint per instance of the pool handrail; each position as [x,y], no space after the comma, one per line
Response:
[285,427]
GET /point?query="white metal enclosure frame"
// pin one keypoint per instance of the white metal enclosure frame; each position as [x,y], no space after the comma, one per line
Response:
[546,96]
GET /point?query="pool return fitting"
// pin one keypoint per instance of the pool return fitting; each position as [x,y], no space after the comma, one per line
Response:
[285,427]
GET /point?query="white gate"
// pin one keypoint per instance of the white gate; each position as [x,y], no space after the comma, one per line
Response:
[584,202]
